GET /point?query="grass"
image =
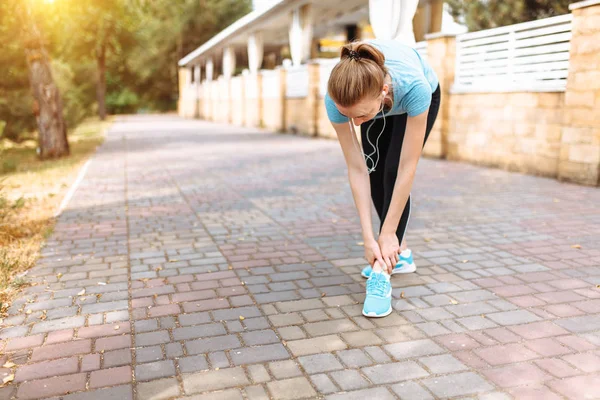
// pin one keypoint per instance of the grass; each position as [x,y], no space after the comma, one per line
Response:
[30,193]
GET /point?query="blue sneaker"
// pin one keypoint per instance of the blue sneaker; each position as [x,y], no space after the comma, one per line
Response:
[378,302]
[405,265]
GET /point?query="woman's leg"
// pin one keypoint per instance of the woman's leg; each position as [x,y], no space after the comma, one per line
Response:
[376,178]
[393,159]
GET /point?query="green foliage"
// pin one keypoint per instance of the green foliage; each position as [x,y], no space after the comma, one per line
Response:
[122,102]
[486,14]
[142,39]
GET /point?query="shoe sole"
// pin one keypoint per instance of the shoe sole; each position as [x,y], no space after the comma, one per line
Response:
[373,315]
[404,270]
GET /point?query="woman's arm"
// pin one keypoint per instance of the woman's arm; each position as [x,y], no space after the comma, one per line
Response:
[412,147]
[361,188]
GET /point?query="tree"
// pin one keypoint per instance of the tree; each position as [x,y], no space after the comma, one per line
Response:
[47,105]
[486,14]
[100,28]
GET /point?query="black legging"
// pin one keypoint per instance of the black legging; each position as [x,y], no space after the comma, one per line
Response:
[390,147]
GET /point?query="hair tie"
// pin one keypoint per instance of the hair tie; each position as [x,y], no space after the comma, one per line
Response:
[354,55]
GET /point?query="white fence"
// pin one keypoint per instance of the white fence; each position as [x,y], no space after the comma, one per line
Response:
[271,83]
[325,67]
[421,48]
[532,56]
[296,82]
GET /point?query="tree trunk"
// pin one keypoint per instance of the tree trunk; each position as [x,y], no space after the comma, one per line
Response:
[101,80]
[48,107]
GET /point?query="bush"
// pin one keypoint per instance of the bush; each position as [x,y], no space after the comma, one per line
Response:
[122,102]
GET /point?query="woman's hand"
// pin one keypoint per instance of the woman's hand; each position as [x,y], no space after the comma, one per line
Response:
[373,253]
[390,248]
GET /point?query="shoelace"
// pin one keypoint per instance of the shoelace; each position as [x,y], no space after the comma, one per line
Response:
[377,285]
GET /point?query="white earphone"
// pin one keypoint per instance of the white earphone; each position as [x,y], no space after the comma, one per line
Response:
[376,146]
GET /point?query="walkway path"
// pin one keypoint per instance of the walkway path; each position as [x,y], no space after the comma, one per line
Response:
[220,263]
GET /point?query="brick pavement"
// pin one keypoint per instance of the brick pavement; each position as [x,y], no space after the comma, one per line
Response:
[207,261]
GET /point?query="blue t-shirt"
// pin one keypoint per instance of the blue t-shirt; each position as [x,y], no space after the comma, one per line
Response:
[413,81]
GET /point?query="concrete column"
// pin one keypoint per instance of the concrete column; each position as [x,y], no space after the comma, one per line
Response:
[441,54]
[313,99]
[210,69]
[579,159]
[255,52]
[392,19]
[228,62]
[197,91]
[300,34]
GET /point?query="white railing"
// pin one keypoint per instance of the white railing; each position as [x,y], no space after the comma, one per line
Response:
[532,56]
[421,48]
[271,84]
[296,82]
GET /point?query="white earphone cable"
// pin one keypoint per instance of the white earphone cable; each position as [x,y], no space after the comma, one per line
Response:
[375,147]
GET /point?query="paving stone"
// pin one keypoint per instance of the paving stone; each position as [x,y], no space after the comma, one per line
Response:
[214,380]
[319,363]
[462,384]
[513,317]
[411,390]
[153,370]
[442,364]
[158,389]
[415,348]
[394,372]
[354,358]
[256,354]
[517,375]
[293,388]
[193,363]
[284,369]
[374,393]
[212,344]
[317,345]
[258,373]
[122,392]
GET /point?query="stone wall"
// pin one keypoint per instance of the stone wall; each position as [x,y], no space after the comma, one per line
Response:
[514,131]
[579,159]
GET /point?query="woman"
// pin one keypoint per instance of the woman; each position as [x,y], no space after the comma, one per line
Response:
[394,95]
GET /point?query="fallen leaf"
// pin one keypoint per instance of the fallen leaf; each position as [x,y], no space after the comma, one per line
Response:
[173,260]
[81,293]
[58,275]
[453,301]
[360,243]
[116,327]
[158,269]
[229,267]
[28,312]
[576,246]
[402,295]
[242,318]
[323,294]
[427,239]
[465,261]
[9,364]
[9,378]
[283,342]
